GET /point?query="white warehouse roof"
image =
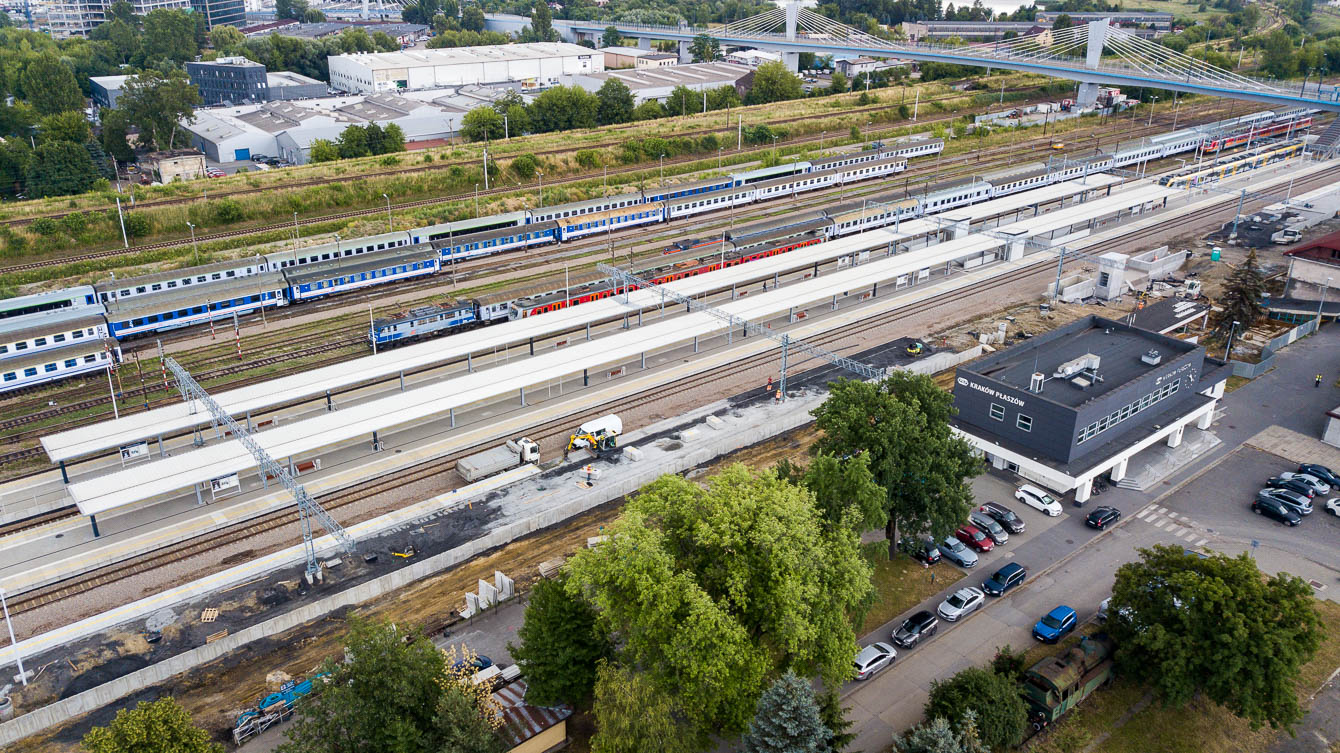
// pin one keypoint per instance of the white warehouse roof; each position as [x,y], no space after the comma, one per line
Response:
[466,55]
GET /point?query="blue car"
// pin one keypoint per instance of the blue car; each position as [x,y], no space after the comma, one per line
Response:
[1055,624]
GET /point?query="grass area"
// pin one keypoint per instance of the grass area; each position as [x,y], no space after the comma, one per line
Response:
[1235,382]
[1199,727]
[1178,9]
[900,584]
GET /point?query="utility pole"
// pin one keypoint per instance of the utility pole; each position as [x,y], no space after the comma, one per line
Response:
[390,228]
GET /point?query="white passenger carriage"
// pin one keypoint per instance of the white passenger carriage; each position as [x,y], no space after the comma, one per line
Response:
[198,304]
[70,359]
[187,278]
[51,300]
[48,330]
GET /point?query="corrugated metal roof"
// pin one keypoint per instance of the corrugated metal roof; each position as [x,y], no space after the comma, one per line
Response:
[521,721]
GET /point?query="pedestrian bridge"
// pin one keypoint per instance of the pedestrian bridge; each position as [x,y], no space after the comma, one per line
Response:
[1092,54]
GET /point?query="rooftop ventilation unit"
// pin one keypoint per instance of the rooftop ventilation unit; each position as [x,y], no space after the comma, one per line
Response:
[1086,362]
[1151,358]
[1035,385]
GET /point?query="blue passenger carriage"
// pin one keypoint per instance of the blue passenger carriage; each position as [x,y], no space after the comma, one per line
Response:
[376,268]
[197,305]
[54,364]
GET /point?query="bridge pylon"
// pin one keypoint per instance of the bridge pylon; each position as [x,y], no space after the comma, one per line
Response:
[1097,39]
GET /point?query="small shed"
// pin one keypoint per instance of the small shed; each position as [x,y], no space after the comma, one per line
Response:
[531,729]
[175,164]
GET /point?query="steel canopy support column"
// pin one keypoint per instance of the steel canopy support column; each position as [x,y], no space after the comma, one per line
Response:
[66,477]
[94,520]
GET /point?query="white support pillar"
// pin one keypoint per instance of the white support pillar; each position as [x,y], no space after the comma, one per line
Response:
[644,43]
[1083,491]
[1088,92]
[1118,471]
[792,61]
[792,14]
[685,55]
[1207,417]
[1015,250]
[1175,438]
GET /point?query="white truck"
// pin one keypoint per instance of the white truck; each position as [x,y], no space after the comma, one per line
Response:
[481,465]
[1286,236]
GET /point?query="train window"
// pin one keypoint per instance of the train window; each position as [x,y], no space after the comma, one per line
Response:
[216,276]
[73,362]
[137,322]
[39,342]
[4,348]
[200,278]
[173,283]
[50,367]
[231,273]
[21,345]
[91,359]
[139,290]
[30,371]
[10,376]
[58,339]
[183,312]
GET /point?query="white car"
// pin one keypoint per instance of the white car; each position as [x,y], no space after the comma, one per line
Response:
[1315,484]
[872,659]
[1333,506]
[1038,500]
[961,603]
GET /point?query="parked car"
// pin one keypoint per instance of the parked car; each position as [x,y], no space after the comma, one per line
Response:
[1292,484]
[973,537]
[1005,578]
[1276,510]
[988,525]
[1321,472]
[954,551]
[961,603]
[480,662]
[1333,506]
[274,162]
[922,550]
[1293,501]
[920,625]
[214,172]
[1004,516]
[259,158]
[1055,624]
[1317,485]
[872,659]
[1038,500]
[1102,517]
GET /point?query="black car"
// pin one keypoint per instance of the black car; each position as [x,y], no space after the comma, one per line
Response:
[274,162]
[1320,471]
[916,627]
[1292,484]
[1275,510]
[1005,578]
[1102,517]
[259,158]
[1004,516]
[922,550]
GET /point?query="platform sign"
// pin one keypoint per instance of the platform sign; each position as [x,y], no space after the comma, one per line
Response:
[132,452]
[225,485]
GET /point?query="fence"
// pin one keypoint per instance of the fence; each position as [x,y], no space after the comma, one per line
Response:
[1267,362]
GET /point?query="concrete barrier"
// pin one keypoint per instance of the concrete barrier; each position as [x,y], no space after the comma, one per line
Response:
[1276,344]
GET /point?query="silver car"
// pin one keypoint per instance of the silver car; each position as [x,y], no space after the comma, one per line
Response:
[961,603]
[1289,498]
[872,659]
[1312,482]
[953,550]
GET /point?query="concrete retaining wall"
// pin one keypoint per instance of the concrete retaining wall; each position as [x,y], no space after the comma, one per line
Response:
[1267,362]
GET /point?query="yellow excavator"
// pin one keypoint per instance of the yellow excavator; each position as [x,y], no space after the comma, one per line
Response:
[601,436]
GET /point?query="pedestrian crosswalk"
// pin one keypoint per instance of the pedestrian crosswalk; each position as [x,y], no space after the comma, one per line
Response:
[1177,524]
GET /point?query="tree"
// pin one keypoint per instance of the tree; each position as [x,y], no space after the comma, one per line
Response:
[542,22]
[712,590]
[313,16]
[157,104]
[525,166]
[472,18]
[992,699]
[902,424]
[683,100]
[226,38]
[123,11]
[722,97]
[293,9]
[560,646]
[650,109]
[1214,626]
[1063,21]
[564,108]
[1280,59]
[49,85]
[787,720]
[60,168]
[773,83]
[14,157]
[395,692]
[615,102]
[840,736]
[323,150]
[393,139]
[705,48]
[838,84]
[70,125]
[633,716]
[162,726]
[939,737]
[517,121]
[845,491]
[611,37]
[1241,300]
[168,35]
[354,142]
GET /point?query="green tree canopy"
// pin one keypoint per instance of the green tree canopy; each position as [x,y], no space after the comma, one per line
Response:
[713,590]
[705,48]
[722,97]
[560,646]
[168,35]
[472,18]
[616,102]
[323,150]
[542,23]
[396,693]
[633,716]
[354,142]
[482,123]
[49,86]
[611,37]
[992,699]
[787,720]
[902,425]
[70,125]
[162,726]
[938,736]
[226,39]
[393,139]
[683,100]
[649,110]
[839,83]
[564,108]
[157,104]
[773,83]
[1241,299]
[293,9]
[845,491]
[60,168]
[1215,626]
[14,157]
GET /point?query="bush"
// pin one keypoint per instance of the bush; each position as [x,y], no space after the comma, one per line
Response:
[589,158]
[228,211]
[904,112]
[524,166]
[74,223]
[45,226]
[856,133]
[389,161]
[138,225]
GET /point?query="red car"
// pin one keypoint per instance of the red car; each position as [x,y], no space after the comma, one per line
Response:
[975,538]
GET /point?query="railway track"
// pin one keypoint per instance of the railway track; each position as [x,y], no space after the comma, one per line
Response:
[285,226]
[556,428]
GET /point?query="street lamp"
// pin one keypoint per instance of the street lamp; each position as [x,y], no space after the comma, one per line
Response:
[296,236]
[4,606]
[1151,110]
[390,228]
[1322,301]
[719,156]
[541,174]
[662,168]
[476,199]
[194,245]
[1229,348]
[821,139]
[774,146]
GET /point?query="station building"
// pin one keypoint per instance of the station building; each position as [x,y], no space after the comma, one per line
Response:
[1063,408]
